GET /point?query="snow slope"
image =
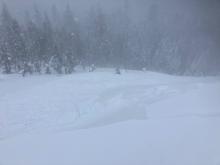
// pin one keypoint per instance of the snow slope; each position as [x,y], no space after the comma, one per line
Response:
[136,118]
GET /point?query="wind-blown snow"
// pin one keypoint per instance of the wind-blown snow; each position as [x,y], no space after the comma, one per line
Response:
[167,120]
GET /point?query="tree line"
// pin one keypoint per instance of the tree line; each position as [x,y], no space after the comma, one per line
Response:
[58,42]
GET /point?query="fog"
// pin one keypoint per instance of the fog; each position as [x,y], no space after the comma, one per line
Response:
[190,26]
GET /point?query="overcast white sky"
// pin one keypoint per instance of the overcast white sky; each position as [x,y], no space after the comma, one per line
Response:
[138,7]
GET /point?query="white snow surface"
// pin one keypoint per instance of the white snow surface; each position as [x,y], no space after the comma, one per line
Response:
[100,118]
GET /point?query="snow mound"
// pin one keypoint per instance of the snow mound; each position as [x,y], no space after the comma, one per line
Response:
[135,118]
[82,100]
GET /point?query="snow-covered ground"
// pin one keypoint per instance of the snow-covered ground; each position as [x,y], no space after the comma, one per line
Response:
[100,118]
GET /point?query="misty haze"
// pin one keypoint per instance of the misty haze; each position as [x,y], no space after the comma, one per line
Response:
[109,82]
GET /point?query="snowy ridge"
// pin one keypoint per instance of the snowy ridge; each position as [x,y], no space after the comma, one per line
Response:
[174,118]
[82,100]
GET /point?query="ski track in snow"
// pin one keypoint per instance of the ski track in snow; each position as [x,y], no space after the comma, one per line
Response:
[84,100]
